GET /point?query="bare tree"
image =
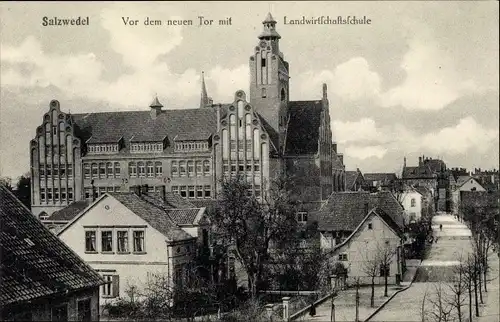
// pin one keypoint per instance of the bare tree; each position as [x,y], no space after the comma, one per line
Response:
[385,255]
[458,288]
[250,226]
[440,308]
[370,267]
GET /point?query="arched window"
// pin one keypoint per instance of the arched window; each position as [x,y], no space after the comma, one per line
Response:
[283,95]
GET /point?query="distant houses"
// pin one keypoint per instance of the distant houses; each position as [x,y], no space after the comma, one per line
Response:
[41,278]
[133,237]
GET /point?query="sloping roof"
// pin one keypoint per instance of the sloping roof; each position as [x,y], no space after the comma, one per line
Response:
[463,179]
[108,126]
[152,214]
[34,262]
[303,133]
[345,210]
[273,135]
[417,172]
[69,212]
[350,178]
[336,163]
[380,177]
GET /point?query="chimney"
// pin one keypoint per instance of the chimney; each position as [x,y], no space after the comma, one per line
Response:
[404,162]
[419,161]
[137,190]
[366,208]
[325,92]
[144,189]
[163,193]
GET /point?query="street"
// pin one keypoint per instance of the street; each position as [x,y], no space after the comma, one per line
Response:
[452,244]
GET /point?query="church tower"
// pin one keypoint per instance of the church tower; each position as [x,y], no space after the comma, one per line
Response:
[269,80]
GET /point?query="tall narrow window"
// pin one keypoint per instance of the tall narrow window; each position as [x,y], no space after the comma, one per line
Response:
[42,194]
[174,169]
[208,191]
[182,168]
[122,237]
[264,92]
[109,169]
[70,170]
[117,169]
[95,170]
[86,170]
[150,169]
[142,169]
[158,169]
[199,191]
[139,241]
[63,194]
[107,241]
[175,189]
[90,241]
[190,165]
[70,194]
[132,169]
[191,192]
[199,168]
[183,191]
[102,170]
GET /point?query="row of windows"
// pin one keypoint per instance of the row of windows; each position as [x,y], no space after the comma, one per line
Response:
[143,169]
[146,147]
[49,194]
[192,192]
[241,166]
[241,145]
[191,168]
[190,146]
[56,170]
[122,244]
[101,170]
[103,148]
[99,191]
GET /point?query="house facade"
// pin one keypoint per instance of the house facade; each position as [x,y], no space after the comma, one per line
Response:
[352,223]
[259,135]
[42,279]
[463,183]
[412,202]
[132,239]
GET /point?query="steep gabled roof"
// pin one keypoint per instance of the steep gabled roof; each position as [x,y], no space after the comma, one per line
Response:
[156,216]
[69,212]
[34,262]
[417,172]
[110,126]
[345,210]
[303,127]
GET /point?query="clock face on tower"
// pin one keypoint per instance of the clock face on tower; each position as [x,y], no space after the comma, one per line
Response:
[263,44]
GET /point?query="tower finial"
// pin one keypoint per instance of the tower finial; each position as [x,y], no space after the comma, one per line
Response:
[204,101]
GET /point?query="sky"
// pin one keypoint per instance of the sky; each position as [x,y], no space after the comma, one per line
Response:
[421,79]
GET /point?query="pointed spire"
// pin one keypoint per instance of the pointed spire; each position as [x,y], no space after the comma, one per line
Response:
[269,19]
[156,103]
[204,101]
[269,28]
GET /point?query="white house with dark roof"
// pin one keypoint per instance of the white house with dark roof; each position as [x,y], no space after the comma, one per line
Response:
[131,236]
[260,135]
[412,202]
[463,183]
[356,227]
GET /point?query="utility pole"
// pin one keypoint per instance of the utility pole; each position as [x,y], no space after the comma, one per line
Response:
[357,301]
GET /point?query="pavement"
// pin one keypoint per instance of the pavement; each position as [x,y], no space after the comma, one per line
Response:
[452,242]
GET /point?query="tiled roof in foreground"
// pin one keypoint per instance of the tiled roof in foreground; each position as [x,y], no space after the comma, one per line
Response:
[34,263]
